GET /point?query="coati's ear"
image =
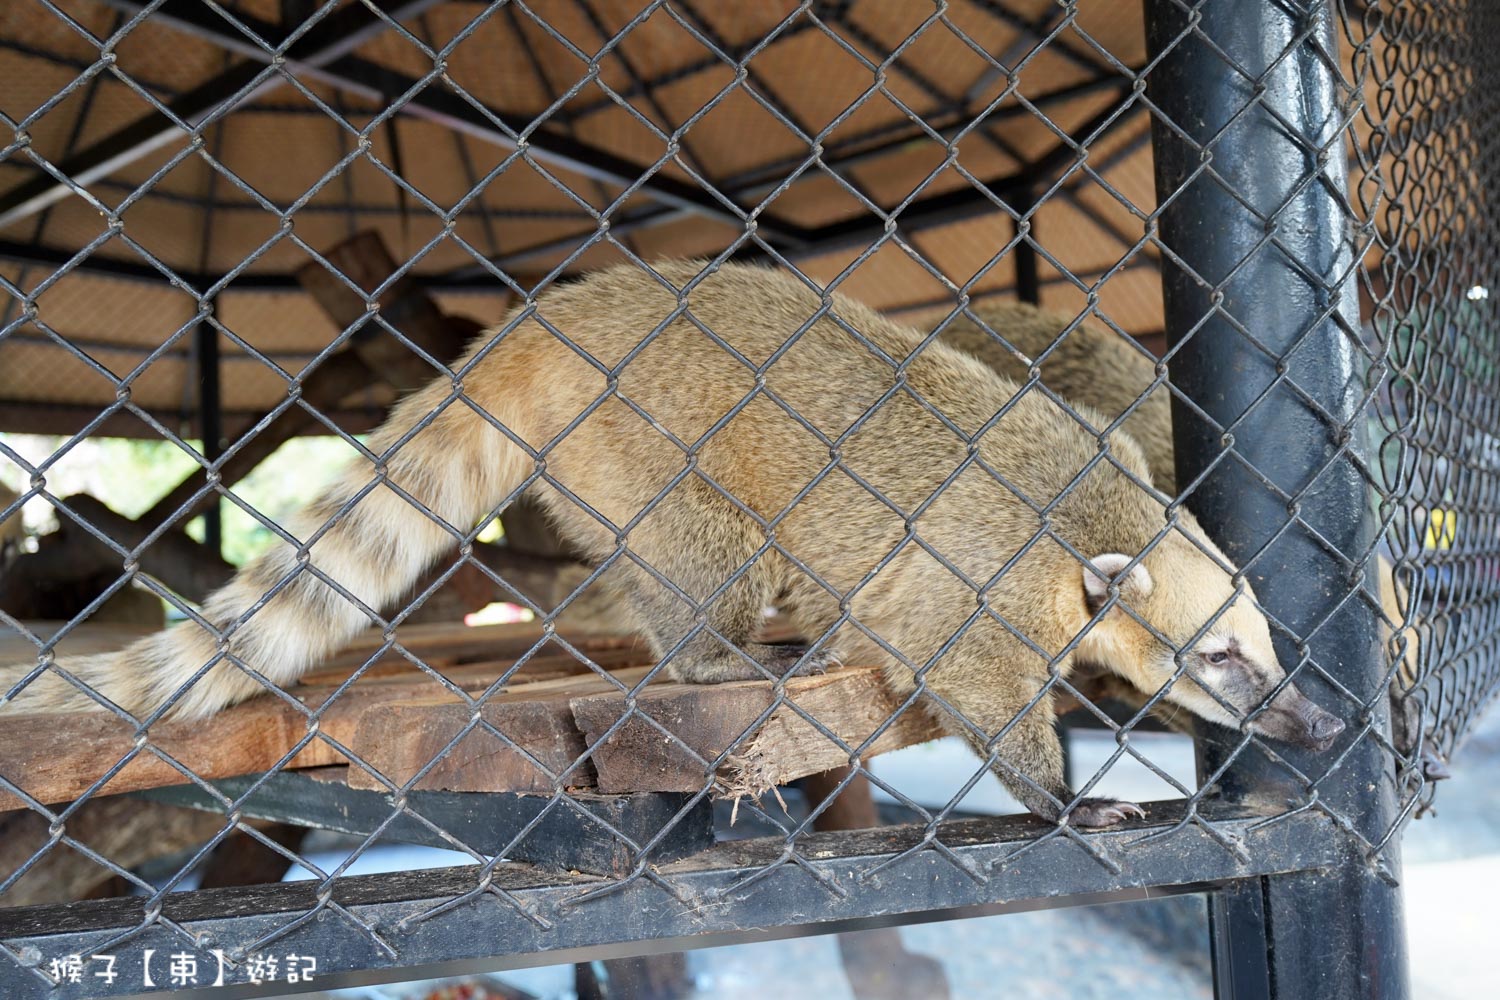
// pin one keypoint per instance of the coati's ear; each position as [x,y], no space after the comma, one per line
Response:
[1097,574]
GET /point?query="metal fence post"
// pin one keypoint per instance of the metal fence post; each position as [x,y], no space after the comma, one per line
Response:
[210,424]
[1262,312]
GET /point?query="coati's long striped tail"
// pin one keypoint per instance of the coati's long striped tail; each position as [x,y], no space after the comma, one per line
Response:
[458,466]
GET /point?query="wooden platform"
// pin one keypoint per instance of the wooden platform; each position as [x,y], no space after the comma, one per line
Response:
[398,719]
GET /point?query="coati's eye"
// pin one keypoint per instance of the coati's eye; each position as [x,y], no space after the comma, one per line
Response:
[1217,657]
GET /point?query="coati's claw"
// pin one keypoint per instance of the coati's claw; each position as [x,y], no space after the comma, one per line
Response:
[1103,812]
[778,660]
[781,660]
[1434,765]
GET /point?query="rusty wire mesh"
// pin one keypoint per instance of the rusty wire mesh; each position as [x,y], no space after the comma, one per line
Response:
[1415,120]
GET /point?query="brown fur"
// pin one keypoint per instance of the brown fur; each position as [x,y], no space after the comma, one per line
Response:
[618,476]
[1094,366]
[1091,364]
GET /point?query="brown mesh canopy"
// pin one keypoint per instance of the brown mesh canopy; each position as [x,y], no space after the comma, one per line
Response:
[235,207]
[479,144]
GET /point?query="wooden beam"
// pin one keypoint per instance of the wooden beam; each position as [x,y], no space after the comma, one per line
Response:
[55,758]
[188,567]
[399,719]
[406,737]
[710,719]
[450,645]
[336,378]
[126,831]
[365,263]
[244,860]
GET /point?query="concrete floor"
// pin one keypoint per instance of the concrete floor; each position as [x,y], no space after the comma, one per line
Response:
[1152,950]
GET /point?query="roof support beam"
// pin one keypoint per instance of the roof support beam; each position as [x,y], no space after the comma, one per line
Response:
[333,64]
[963,203]
[96,265]
[336,35]
[761,180]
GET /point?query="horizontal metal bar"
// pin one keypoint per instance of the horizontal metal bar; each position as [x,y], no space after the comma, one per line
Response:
[1039,28]
[109,267]
[1009,291]
[340,33]
[961,203]
[487,822]
[544,918]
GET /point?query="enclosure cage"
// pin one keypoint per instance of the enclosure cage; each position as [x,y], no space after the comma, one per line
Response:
[1262,231]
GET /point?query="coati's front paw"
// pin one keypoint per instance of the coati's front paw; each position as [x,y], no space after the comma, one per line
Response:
[781,660]
[727,665]
[1095,813]
[1434,764]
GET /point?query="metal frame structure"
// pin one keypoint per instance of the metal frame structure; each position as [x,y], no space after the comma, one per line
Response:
[1250,119]
[1274,278]
[321,53]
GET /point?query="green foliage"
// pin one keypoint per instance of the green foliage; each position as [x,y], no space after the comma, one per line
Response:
[130,476]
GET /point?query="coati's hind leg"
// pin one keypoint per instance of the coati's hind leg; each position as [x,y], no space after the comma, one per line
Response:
[722,648]
[704,625]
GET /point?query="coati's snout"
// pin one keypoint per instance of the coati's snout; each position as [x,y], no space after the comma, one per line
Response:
[1244,672]
[1227,670]
[1296,718]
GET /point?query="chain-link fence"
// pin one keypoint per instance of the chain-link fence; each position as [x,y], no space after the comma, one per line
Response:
[1429,310]
[760,290]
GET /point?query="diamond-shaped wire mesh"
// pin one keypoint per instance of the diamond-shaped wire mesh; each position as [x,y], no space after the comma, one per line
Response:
[1429,200]
[747,274]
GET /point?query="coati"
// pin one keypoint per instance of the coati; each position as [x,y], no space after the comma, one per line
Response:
[893,502]
[1094,366]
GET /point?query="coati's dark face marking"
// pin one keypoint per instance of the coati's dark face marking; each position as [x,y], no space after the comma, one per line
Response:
[1228,672]
[1218,664]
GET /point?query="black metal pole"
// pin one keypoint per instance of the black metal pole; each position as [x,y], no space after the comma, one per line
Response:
[210,423]
[1028,282]
[1251,167]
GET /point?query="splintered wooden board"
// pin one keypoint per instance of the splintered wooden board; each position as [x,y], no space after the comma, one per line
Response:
[403,723]
[723,723]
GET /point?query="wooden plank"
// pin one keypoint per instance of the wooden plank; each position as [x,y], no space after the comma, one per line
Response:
[436,643]
[853,703]
[710,719]
[83,639]
[440,645]
[404,737]
[56,758]
[364,260]
[707,719]
[398,720]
